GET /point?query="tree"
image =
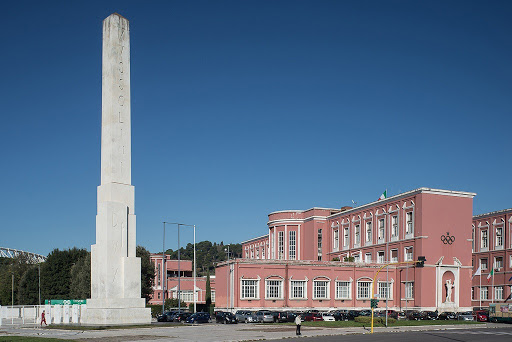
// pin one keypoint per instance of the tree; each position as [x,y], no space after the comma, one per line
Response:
[147,273]
[81,278]
[208,292]
[28,288]
[12,269]
[172,303]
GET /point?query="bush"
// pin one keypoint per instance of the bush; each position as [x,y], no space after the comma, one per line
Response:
[155,310]
[378,320]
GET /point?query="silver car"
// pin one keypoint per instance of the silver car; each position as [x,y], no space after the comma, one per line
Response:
[264,316]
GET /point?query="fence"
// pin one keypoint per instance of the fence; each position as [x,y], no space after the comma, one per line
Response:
[31,314]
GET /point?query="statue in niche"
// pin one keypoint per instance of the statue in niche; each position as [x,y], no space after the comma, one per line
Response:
[449,287]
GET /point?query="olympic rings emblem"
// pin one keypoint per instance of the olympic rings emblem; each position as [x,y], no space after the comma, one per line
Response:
[447,239]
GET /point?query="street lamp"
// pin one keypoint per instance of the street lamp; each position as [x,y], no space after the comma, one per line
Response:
[179,270]
[228,271]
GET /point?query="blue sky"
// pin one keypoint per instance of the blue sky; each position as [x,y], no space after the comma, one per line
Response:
[241,108]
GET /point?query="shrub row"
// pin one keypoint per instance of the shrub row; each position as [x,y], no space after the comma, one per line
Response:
[381,320]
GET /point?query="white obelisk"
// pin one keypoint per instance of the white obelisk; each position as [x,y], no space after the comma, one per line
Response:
[115,270]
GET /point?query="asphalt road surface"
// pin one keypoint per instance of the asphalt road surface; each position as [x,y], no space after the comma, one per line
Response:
[455,335]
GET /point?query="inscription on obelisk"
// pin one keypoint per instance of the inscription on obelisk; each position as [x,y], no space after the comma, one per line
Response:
[115,269]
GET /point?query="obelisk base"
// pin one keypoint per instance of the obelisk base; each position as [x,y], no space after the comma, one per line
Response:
[122,311]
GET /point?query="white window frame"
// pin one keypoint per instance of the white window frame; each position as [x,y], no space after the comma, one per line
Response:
[249,286]
[483,265]
[357,235]
[409,224]
[496,260]
[391,254]
[298,284]
[484,293]
[364,289]
[292,246]
[346,237]
[213,296]
[368,257]
[499,237]
[409,289]
[336,240]
[343,287]
[484,239]
[381,257]
[280,245]
[395,231]
[321,286]
[368,233]
[272,284]
[498,293]
[408,256]
[382,229]
[381,288]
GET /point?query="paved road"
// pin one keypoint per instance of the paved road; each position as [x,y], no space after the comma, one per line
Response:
[251,332]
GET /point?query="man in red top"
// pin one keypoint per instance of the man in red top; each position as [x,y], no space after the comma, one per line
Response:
[43,319]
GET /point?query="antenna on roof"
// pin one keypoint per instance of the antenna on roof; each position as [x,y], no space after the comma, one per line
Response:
[355,203]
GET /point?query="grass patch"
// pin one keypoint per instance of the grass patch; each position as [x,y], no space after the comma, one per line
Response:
[30,339]
[348,324]
[100,327]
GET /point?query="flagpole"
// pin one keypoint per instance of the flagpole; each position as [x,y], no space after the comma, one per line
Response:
[493,283]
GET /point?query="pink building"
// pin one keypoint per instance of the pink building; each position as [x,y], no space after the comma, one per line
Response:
[186,280]
[492,249]
[326,258]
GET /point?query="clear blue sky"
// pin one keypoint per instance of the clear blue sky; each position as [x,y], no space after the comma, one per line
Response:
[241,108]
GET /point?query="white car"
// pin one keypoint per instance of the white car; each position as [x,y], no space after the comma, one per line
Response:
[328,317]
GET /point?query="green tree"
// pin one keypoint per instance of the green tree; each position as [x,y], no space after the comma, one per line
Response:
[81,278]
[172,303]
[208,292]
[12,269]
[147,272]
[28,287]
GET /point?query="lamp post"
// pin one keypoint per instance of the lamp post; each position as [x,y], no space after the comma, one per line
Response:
[179,260]
[228,271]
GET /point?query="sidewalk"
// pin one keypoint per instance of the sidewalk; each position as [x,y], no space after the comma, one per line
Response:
[214,332]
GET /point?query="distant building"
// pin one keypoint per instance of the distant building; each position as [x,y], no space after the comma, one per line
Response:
[186,280]
[492,249]
[324,258]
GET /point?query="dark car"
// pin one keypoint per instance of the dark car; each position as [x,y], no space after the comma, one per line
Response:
[413,315]
[165,317]
[429,315]
[340,315]
[225,318]
[482,315]
[351,314]
[181,317]
[286,316]
[365,313]
[447,315]
[313,316]
[199,317]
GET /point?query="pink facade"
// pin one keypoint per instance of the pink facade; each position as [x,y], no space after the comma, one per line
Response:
[186,281]
[324,258]
[492,249]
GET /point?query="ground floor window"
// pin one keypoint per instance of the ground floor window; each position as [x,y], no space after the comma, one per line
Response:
[498,292]
[298,289]
[343,290]
[409,290]
[384,290]
[484,293]
[320,289]
[249,288]
[363,289]
[274,289]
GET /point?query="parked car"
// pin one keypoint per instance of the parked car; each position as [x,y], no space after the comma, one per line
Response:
[365,313]
[465,316]
[199,317]
[379,313]
[327,317]
[286,316]
[447,315]
[414,315]
[181,317]
[401,316]
[165,317]
[392,314]
[351,314]
[225,318]
[243,315]
[313,316]
[340,315]
[429,315]
[263,316]
[482,315]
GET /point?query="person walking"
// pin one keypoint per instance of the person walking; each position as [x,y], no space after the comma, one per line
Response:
[298,322]
[43,318]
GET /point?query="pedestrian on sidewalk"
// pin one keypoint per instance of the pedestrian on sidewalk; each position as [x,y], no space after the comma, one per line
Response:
[298,322]
[43,318]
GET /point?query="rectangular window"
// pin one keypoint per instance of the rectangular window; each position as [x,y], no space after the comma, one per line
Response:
[292,245]
[319,239]
[357,237]
[252,253]
[498,263]
[263,252]
[363,289]
[368,233]
[345,237]
[381,229]
[357,257]
[498,293]
[159,275]
[394,226]
[409,290]
[272,252]
[409,223]
[336,242]
[499,237]
[380,257]
[343,290]
[298,289]
[384,290]
[484,294]
[274,289]
[394,255]
[280,243]
[187,296]
[483,264]
[368,257]
[408,256]
[257,253]
[249,289]
[484,243]
[213,296]
[320,289]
